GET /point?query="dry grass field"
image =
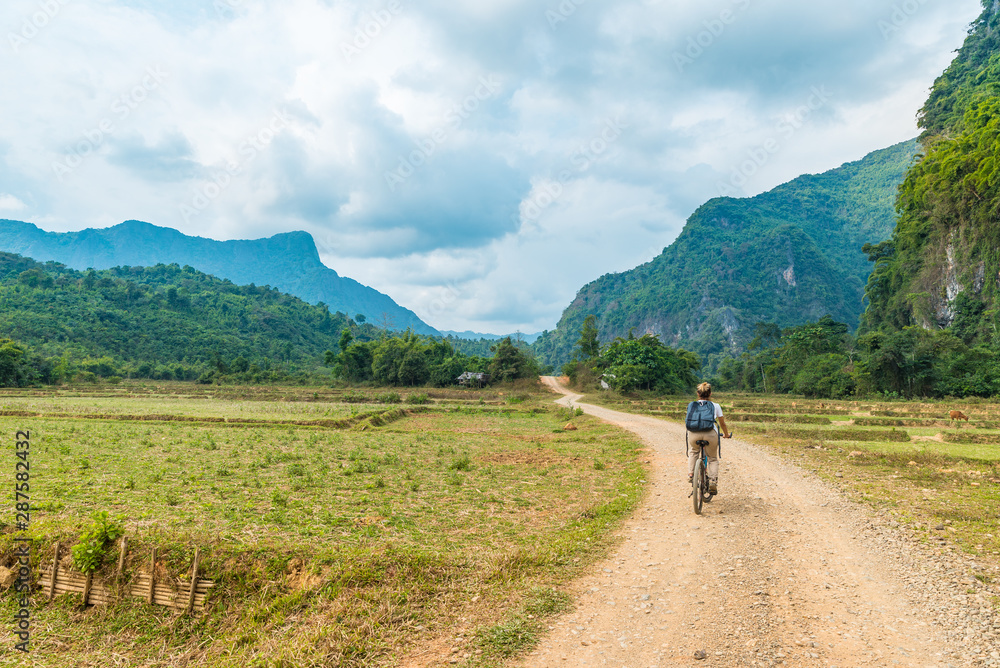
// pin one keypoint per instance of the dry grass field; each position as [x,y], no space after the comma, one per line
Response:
[354,528]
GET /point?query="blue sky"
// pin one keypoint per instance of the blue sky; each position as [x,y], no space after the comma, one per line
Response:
[477,160]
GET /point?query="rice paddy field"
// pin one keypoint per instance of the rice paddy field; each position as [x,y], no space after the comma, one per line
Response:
[349,528]
[939,476]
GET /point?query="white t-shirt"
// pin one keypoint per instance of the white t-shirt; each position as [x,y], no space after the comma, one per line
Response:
[718,408]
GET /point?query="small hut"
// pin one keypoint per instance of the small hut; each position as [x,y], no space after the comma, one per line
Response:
[472,379]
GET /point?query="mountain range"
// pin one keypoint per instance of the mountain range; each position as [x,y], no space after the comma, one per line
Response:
[787,256]
[476,336]
[289,262]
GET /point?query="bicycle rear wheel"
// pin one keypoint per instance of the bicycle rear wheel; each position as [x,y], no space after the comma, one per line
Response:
[697,483]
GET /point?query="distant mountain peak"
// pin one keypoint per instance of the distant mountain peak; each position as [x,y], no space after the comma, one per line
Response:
[288,261]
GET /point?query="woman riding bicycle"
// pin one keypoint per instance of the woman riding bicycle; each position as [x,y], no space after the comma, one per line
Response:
[712,436]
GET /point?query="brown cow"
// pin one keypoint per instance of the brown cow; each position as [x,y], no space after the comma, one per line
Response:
[958,415]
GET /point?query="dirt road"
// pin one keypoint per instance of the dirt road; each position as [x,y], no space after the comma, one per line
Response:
[780,569]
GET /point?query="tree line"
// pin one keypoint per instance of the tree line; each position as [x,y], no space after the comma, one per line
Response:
[412,361]
[822,359]
[175,323]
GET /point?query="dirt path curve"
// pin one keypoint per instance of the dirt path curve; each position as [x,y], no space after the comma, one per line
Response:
[777,571]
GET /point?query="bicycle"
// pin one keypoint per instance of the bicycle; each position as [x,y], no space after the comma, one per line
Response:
[700,493]
[699,483]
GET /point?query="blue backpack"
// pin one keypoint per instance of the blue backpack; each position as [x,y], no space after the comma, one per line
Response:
[700,416]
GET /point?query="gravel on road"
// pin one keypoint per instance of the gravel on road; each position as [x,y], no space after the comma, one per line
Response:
[780,569]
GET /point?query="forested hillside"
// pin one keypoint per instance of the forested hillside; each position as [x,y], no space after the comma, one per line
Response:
[931,325]
[289,262]
[787,256]
[172,323]
[158,322]
[941,268]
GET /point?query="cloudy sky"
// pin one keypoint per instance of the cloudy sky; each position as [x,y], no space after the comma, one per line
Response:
[477,160]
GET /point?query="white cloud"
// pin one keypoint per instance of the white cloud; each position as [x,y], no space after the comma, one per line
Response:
[369,87]
[11,203]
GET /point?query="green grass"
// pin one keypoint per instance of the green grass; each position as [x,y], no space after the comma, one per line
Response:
[174,406]
[328,546]
[521,630]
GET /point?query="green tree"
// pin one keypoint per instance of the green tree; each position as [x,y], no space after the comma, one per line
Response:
[647,364]
[354,362]
[447,371]
[510,362]
[14,371]
[589,344]
[413,369]
[399,360]
[35,278]
[827,375]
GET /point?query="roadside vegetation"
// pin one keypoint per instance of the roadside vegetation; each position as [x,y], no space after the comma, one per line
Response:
[821,359]
[349,527]
[632,364]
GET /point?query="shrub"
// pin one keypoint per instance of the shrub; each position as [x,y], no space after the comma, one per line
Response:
[86,377]
[88,554]
[463,463]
